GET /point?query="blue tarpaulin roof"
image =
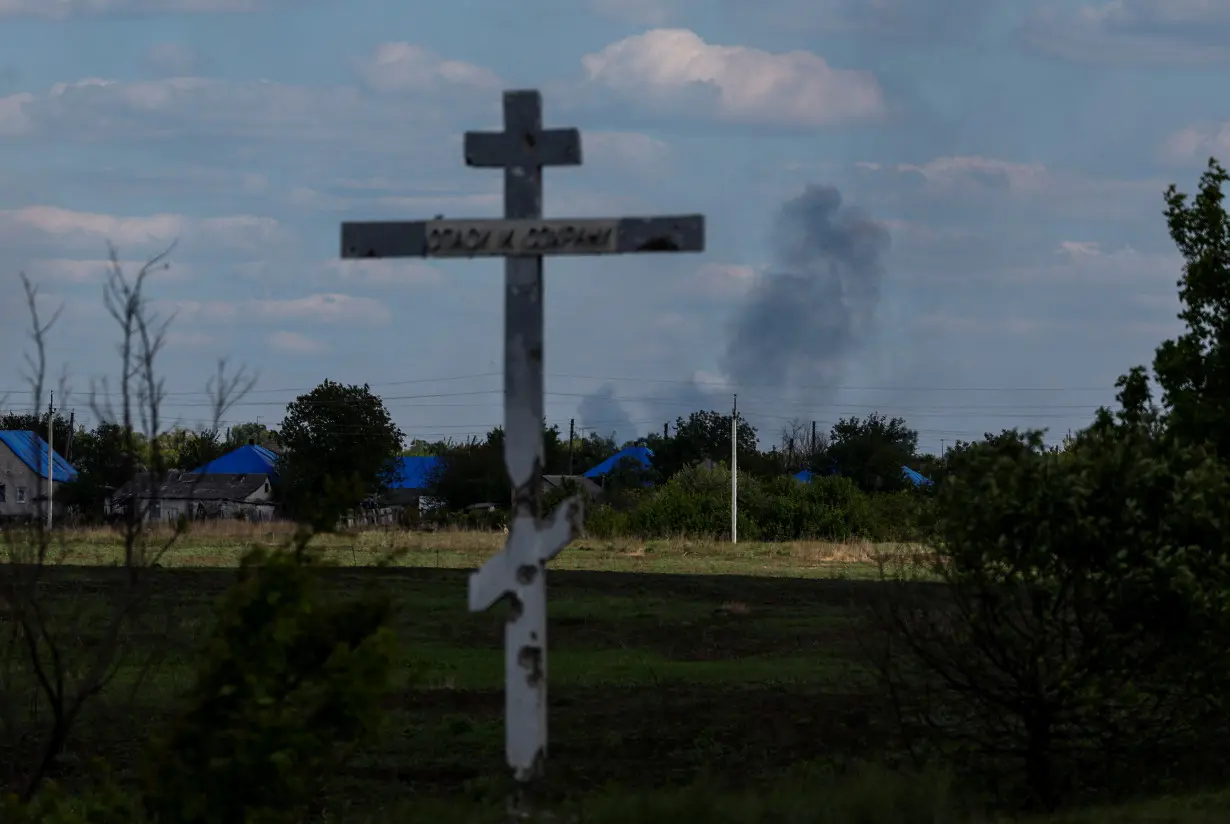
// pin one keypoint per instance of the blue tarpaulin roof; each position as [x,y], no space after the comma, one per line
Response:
[414,472]
[642,454]
[246,460]
[32,451]
[910,475]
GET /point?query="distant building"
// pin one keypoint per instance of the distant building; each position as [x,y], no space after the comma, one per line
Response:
[411,479]
[250,459]
[642,455]
[23,475]
[198,496]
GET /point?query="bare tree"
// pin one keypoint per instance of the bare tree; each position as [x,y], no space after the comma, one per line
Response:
[797,446]
[61,643]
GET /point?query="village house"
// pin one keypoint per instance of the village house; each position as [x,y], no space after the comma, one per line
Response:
[198,496]
[23,476]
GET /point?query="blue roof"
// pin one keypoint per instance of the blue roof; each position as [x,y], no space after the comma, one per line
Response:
[246,460]
[910,475]
[414,472]
[32,450]
[642,454]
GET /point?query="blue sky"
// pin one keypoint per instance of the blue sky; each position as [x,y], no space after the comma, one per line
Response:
[1016,154]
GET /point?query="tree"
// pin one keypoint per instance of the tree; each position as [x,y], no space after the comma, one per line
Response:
[198,449]
[58,657]
[1193,370]
[870,452]
[702,436]
[30,422]
[474,472]
[340,444]
[1086,599]
[103,462]
[471,473]
[796,447]
[242,434]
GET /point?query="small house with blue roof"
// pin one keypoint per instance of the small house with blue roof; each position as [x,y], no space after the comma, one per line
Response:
[23,474]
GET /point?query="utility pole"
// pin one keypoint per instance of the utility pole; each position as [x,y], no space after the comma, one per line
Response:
[943,450]
[572,422]
[734,471]
[666,430]
[72,432]
[51,484]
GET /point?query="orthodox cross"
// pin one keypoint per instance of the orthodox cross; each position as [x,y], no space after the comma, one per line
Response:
[523,238]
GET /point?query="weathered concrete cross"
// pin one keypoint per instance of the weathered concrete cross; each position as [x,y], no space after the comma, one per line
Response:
[523,237]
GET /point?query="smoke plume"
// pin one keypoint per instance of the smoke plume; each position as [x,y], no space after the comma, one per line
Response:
[799,324]
[602,412]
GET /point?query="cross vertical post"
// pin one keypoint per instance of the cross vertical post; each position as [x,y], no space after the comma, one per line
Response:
[518,572]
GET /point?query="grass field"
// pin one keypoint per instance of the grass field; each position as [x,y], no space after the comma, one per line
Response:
[221,545]
[740,679]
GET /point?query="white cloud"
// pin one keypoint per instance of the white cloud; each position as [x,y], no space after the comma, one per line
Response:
[396,272]
[189,340]
[70,271]
[722,280]
[174,59]
[1133,31]
[167,110]
[675,67]
[294,342]
[321,308]
[1085,262]
[405,67]
[1198,143]
[979,179]
[631,150]
[65,226]
[13,117]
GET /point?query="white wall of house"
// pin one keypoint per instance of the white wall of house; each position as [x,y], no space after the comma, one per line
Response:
[20,486]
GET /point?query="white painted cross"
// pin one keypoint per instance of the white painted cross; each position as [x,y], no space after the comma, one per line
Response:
[523,237]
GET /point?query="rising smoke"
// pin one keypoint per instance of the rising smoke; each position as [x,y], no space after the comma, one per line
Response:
[799,324]
[602,412]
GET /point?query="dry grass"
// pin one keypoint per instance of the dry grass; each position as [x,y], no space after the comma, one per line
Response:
[215,544]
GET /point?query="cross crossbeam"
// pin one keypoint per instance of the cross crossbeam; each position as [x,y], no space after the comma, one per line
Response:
[523,238]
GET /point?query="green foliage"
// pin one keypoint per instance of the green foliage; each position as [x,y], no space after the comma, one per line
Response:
[472,473]
[104,804]
[871,452]
[701,436]
[340,442]
[1194,369]
[290,681]
[243,433]
[696,502]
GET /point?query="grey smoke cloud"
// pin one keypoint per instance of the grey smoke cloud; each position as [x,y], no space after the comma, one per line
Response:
[602,412]
[800,323]
[797,325]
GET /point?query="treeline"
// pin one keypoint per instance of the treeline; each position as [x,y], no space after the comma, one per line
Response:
[859,489]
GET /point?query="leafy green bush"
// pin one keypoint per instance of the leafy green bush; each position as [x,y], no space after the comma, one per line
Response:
[290,681]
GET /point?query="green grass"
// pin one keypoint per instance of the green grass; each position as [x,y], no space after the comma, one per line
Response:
[747,688]
[222,544]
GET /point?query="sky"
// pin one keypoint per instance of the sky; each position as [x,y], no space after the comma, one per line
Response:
[947,210]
